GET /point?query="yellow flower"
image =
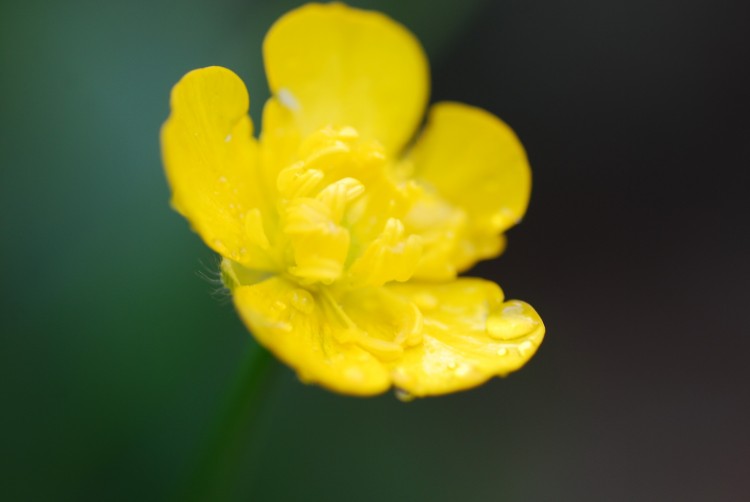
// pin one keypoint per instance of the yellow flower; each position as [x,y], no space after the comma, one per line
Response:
[341,243]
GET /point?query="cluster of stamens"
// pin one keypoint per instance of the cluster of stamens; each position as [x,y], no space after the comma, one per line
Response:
[341,214]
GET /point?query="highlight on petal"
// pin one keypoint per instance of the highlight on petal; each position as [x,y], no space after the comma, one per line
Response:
[329,64]
[210,158]
[477,183]
[469,336]
[310,333]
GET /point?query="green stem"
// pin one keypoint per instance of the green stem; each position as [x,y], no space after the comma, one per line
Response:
[217,465]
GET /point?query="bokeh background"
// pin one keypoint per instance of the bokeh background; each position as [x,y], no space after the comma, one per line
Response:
[116,353]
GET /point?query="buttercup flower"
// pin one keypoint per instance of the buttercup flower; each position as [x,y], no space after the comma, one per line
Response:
[342,230]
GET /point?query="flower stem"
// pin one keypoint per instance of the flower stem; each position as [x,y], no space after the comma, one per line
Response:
[213,475]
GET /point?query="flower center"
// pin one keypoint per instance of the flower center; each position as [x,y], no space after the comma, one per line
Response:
[337,235]
[341,214]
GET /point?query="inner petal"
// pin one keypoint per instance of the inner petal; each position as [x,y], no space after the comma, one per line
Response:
[341,213]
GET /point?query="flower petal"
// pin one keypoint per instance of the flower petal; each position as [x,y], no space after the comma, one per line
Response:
[211,162]
[306,332]
[334,65]
[426,339]
[280,141]
[474,170]
[469,335]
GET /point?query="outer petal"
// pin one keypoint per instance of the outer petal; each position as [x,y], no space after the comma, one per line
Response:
[334,65]
[469,336]
[476,171]
[311,337]
[211,162]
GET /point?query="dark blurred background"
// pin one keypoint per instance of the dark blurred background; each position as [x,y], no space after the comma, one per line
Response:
[115,356]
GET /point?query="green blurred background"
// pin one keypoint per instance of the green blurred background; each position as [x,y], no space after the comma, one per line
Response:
[117,352]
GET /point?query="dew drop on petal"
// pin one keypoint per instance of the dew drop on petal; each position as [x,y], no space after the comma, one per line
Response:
[525,347]
[287,99]
[281,326]
[510,323]
[302,300]
[463,370]
[278,306]
[404,396]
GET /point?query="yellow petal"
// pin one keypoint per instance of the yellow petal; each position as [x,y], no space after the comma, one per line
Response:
[469,336]
[334,65]
[426,339]
[211,162]
[280,140]
[392,256]
[474,170]
[311,334]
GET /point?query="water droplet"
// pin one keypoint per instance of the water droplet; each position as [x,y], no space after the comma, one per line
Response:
[284,327]
[279,306]
[302,300]
[463,370]
[525,347]
[348,133]
[404,396]
[510,323]
[287,99]
[222,179]
[502,352]
[452,365]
